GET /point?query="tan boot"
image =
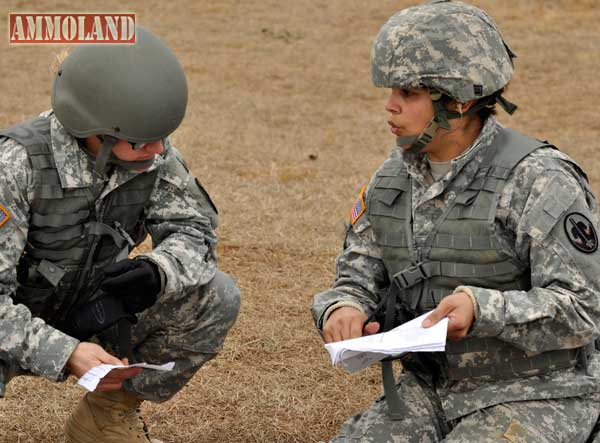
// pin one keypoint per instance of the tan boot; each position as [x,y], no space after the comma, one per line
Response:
[107,417]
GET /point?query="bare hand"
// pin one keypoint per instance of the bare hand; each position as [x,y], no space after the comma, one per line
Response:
[89,355]
[345,323]
[460,311]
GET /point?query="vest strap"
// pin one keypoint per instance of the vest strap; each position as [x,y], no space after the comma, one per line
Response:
[54,255]
[395,407]
[475,344]
[415,274]
[58,220]
[120,238]
[538,364]
[448,241]
[42,161]
[97,228]
[50,192]
[65,234]
[467,242]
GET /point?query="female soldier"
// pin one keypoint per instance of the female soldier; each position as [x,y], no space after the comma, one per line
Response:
[481,224]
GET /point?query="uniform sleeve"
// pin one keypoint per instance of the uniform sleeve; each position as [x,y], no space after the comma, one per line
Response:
[360,274]
[181,220]
[555,228]
[27,341]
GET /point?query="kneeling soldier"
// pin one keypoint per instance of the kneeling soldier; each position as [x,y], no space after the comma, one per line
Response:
[478,223]
[81,186]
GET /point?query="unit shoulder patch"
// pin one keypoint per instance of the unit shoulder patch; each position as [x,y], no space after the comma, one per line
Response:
[359,207]
[4,216]
[581,232]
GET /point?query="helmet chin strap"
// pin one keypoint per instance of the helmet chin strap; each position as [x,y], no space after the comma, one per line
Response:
[442,115]
[418,142]
[440,120]
[103,155]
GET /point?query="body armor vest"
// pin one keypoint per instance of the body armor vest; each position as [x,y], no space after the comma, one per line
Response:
[462,249]
[71,238]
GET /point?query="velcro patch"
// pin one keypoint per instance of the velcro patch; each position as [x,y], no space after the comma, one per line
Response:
[359,207]
[581,233]
[4,216]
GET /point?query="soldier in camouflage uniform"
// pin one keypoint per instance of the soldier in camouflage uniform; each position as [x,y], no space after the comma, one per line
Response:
[80,187]
[477,223]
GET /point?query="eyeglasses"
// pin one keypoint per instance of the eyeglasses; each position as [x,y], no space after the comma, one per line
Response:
[137,145]
[134,145]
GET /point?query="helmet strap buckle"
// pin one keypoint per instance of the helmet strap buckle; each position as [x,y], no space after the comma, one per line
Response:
[509,107]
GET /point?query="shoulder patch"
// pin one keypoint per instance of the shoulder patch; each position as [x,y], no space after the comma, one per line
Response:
[4,215]
[581,233]
[359,207]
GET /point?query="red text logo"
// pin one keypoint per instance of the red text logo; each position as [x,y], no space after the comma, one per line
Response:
[71,28]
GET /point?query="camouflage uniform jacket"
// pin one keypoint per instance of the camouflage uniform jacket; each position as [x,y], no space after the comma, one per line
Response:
[562,308]
[182,234]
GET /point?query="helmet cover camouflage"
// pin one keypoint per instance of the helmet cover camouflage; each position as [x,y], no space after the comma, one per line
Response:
[444,45]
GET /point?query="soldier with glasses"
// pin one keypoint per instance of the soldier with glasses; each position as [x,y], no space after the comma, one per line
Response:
[80,187]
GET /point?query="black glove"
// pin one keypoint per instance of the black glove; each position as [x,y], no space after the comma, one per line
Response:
[95,316]
[135,282]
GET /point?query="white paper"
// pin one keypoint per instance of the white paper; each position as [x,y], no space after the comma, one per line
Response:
[358,353]
[91,378]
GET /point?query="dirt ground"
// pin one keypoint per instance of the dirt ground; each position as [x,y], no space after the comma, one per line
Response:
[284,128]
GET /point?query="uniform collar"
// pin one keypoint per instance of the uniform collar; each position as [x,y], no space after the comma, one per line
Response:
[75,167]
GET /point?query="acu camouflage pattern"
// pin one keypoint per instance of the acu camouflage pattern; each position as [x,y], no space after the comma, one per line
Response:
[448,46]
[547,421]
[180,219]
[461,248]
[560,311]
[188,329]
[67,227]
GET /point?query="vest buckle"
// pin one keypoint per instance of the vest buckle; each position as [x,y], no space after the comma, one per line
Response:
[411,276]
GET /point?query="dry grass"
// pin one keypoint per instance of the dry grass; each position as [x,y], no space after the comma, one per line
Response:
[284,128]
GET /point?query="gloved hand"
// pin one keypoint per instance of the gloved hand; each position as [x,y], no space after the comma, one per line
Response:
[136,282]
[95,316]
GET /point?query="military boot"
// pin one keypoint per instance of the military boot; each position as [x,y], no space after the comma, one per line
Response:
[107,417]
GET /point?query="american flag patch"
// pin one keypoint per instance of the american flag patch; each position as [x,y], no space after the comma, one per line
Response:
[359,207]
[4,216]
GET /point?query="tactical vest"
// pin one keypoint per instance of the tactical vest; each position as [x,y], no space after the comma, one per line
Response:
[71,238]
[461,249]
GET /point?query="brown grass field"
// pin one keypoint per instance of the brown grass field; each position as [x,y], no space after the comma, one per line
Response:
[283,128]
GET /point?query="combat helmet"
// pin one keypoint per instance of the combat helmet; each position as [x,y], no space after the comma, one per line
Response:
[453,49]
[133,92]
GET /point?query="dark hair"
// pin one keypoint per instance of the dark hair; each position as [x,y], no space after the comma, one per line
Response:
[487,103]
[486,111]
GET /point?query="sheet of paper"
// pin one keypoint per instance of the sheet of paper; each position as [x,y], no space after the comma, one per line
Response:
[358,353]
[91,378]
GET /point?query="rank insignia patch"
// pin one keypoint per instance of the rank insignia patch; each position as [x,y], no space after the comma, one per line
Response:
[359,207]
[581,233]
[4,216]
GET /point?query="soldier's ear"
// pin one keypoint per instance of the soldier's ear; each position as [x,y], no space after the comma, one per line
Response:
[461,108]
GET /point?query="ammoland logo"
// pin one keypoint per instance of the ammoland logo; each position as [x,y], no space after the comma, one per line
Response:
[71,28]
